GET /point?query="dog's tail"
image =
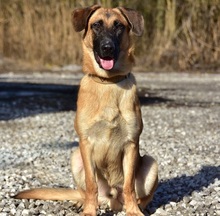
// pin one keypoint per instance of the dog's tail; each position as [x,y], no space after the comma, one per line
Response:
[52,194]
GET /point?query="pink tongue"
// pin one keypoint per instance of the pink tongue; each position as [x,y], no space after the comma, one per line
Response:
[107,64]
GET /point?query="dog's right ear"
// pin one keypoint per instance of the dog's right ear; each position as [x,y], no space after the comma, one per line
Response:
[81,16]
[135,19]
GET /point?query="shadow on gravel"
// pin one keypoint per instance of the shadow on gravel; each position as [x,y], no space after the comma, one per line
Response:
[18,100]
[60,145]
[25,99]
[174,190]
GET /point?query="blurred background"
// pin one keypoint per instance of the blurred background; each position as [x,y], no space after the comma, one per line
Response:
[180,35]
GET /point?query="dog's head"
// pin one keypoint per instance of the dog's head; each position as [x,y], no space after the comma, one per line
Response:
[107,44]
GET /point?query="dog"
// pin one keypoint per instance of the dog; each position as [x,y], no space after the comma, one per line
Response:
[107,167]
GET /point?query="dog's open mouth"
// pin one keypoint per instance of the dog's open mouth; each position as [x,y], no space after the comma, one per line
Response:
[106,63]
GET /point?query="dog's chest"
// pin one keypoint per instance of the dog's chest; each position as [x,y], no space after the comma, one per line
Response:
[109,117]
[108,137]
[109,129]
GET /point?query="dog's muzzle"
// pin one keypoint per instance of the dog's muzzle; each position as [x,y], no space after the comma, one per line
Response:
[106,54]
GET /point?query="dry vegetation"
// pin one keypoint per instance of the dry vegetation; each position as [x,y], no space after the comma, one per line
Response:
[179,35]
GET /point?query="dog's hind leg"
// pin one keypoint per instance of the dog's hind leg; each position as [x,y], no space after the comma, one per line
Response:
[146,180]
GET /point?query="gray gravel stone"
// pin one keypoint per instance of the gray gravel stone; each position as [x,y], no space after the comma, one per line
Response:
[181,115]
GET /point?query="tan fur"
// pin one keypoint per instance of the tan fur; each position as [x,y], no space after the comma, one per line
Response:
[107,167]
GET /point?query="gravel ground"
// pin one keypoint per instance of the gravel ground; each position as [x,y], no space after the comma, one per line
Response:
[181,114]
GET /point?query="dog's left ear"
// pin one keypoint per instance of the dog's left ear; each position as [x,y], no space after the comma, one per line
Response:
[81,16]
[135,19]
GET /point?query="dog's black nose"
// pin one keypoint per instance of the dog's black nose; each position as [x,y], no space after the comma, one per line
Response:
[107,48]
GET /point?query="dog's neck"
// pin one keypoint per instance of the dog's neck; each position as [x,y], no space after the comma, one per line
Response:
[110,80]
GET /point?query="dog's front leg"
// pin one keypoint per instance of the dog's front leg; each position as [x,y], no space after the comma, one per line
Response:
[91,193]
[130,160]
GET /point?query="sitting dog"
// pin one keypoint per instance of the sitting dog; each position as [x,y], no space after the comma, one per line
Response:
[107,167]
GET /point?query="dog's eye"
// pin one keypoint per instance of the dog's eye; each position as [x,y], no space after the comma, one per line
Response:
[118,25]
[97,24]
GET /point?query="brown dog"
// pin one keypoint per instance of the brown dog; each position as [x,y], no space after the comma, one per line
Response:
[107,167]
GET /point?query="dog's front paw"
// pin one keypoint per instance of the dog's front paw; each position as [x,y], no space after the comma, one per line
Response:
[89,213]
[89,210]
[134,211]
[139,213]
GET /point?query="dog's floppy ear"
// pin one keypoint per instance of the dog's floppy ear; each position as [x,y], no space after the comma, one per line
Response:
[135,19]
[81,16]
